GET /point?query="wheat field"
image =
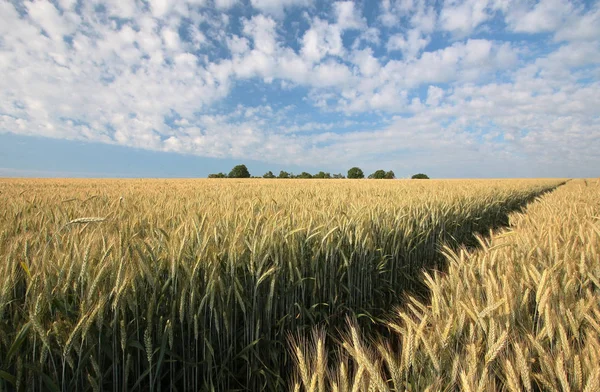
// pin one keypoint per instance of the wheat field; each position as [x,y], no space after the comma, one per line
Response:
[520,313]
[198,284]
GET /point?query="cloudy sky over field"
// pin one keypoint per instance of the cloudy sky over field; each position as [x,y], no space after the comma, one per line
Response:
[471,88]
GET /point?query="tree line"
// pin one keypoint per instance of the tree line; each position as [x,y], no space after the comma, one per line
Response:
[241,171]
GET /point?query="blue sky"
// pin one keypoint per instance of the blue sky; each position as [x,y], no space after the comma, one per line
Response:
[159,88]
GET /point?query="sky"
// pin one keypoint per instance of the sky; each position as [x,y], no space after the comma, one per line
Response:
[161,88]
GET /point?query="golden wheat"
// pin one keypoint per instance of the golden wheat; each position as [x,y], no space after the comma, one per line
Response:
[142,284]
[524,307]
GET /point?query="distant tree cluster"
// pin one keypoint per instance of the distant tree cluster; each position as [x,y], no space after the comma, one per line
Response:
[420,176]
[241,171]
[382,175]
[321,174]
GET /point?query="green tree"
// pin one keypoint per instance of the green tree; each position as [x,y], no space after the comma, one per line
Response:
[378,175]
[217,175]
[305,175]
[322,174]
[420,176]
[389,175]
[338,176]
[239,171]
[269,174]
[356,172]
[283,174]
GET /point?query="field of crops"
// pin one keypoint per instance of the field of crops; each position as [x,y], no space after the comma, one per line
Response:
[199,284]
[521,313]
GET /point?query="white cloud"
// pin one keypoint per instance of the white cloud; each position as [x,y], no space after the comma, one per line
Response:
[45,15]
[461,61]
[171,39]
[262,31]
[388,15]
[366,62]
[110,90]
[434,95]
[369,35]
[225,4]
[562,63]
[238,45]
[545,16]
[424,19]
[417,13]
[331,73]
[464,16]
[294,68]
[256,63]
[410,45]
[67,5]
[421,18]
[477,51]
[320,40]
[160,7]
[277,7]
[198,38]
[119,8]
[581,26]
[348,16]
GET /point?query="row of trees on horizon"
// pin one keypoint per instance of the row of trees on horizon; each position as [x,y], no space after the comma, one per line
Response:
[241,171]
